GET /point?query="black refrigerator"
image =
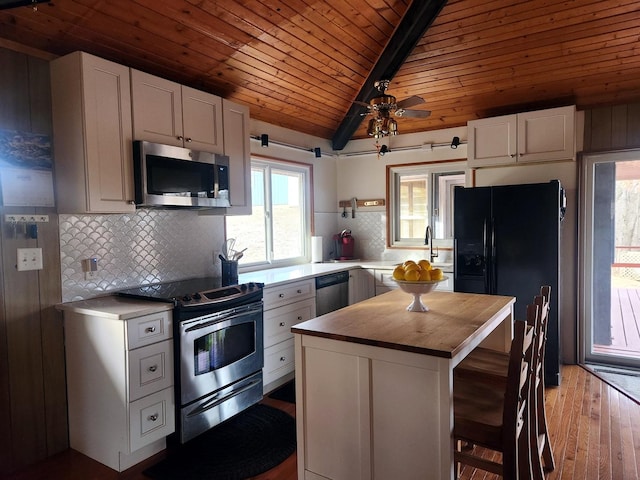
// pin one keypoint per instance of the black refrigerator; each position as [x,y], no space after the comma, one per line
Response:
[507,242]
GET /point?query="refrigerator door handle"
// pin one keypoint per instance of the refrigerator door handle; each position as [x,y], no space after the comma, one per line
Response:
[487,263]
[494,260]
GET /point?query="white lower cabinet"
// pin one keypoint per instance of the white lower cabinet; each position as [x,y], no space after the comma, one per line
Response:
[119,379]
[284,306]
[361,285]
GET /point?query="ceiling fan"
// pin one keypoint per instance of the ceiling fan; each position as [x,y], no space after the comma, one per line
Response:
[383,105]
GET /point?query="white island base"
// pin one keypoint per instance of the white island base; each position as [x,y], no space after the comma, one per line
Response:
[365,411]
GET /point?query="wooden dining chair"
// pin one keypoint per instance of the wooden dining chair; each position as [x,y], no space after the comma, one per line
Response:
[486,365]
[497,418]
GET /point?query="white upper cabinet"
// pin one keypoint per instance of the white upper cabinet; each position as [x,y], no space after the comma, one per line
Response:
[169,113]
[91,108]
[237,147]
[539,136]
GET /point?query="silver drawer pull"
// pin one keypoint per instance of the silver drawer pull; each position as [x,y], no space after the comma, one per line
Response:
[281,295]
[153,418]
[282,359]
[282,324]
[153,368]
[150,329]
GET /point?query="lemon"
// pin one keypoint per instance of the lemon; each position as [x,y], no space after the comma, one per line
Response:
[436,274]
[412,275]
[425,275]
[411,266]
[398,273]
[425,264]
[408,262]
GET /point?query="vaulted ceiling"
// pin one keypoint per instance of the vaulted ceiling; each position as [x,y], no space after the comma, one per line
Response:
[301,64]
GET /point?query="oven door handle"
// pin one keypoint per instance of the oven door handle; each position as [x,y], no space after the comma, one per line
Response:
[219,319]
[215,401]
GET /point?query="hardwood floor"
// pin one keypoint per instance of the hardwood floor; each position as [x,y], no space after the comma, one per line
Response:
[594,430]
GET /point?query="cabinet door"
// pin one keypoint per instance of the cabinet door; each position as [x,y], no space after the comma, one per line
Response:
[361,285]
[202,120]
[546,135]
[157,109]
[237,148]
[492,141]
[91,107]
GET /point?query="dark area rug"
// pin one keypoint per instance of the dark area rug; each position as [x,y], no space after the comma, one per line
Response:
[246,445]
[286,392]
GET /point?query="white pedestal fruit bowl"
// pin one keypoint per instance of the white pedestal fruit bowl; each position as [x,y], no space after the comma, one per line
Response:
[417,289]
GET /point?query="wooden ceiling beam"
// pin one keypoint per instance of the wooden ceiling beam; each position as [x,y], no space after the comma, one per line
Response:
[415,22]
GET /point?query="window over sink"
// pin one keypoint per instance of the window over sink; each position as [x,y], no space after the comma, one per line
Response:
[278,229]
[421,195]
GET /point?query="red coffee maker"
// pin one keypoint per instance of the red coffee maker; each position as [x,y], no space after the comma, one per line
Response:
[344,245]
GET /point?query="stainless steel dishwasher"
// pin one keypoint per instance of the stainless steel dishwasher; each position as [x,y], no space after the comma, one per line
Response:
[332,292]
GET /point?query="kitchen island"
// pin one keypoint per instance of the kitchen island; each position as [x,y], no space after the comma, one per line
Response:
[374,383]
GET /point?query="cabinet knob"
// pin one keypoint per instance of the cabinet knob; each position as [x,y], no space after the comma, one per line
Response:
[513,155]
[282,359]
[130,202]
[299,317]
[299,291]
[153,418]
[150,329]
[282,324]
[281,295]
[153,368]
[188,140]
[180,137]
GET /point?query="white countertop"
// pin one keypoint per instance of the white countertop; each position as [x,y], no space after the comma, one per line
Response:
[276,276]
[117,308]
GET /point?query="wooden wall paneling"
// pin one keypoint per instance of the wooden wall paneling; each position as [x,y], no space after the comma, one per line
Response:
[39,96]
[15,91]
[633,125]
[618,127]
[33,408]
[52,335]
[612,128]
[5,395]
[24,335]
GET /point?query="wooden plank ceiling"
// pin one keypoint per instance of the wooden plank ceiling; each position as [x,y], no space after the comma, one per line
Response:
[301,64]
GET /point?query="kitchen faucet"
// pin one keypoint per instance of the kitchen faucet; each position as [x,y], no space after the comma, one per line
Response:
[428,240]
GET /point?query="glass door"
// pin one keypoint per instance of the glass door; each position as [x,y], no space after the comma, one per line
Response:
[610,266]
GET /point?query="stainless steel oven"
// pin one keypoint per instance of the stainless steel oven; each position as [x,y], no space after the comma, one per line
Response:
[219,349]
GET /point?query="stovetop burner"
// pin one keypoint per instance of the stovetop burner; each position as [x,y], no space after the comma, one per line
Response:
[194,292]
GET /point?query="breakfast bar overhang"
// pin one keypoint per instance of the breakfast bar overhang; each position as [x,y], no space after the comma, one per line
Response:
[374,383]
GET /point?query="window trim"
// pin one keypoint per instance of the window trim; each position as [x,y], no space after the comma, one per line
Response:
[306,170]
[392,179]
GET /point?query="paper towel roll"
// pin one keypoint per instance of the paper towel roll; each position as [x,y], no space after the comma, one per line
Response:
[316,249]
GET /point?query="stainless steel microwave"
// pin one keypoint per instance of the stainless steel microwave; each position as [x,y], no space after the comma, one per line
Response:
[169,176]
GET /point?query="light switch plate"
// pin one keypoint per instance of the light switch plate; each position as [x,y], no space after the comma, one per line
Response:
[29,259]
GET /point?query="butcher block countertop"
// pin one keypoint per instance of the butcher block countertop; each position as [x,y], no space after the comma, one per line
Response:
[453,322]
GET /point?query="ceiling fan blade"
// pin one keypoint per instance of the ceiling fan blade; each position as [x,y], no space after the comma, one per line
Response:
[413,113]
[410,102]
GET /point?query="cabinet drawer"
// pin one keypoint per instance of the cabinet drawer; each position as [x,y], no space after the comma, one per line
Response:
[278,321]
[149,329]
[151,418]
[285,294]
[278,361]
[150,369]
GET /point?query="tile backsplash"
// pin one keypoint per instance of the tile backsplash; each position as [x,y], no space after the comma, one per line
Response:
[148,246]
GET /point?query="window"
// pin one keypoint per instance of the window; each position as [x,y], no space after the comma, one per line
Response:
[422,195]
[278,229]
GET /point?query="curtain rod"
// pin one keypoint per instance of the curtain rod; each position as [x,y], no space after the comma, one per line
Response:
[425,146]
[318,152]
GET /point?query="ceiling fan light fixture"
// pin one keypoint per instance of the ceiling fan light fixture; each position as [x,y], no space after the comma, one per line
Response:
[393,127]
